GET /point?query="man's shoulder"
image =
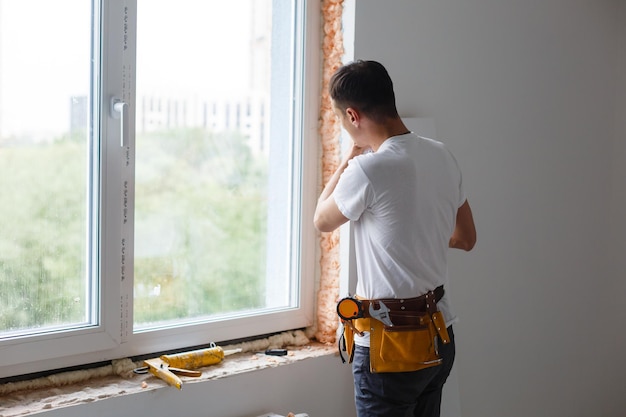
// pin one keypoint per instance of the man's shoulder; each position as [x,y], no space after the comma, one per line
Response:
[430,142]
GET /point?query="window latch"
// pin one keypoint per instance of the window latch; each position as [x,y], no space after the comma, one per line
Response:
[119,110]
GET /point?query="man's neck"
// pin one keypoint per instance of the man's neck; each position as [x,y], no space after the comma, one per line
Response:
[383,131]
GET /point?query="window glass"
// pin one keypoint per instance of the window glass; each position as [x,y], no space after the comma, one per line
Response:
[44,113]
[203,161]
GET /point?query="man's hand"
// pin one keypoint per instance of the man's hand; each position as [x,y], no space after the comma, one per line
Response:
[352,152]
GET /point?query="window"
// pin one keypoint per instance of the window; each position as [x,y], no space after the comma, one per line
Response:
[156,178]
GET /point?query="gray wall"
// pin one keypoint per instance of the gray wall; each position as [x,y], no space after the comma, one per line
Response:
[524,93]
[618,225]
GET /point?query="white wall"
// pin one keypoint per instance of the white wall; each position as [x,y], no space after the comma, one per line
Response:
[524,94]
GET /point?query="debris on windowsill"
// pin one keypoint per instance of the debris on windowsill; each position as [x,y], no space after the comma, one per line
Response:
[85,386]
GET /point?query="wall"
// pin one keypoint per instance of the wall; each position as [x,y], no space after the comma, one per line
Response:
[523,92]
[619,165]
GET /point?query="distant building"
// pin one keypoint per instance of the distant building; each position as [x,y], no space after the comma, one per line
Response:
[243,114]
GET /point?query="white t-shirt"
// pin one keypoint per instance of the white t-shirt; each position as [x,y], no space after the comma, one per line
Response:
[402,200]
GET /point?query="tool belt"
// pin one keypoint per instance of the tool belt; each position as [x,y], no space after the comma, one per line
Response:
[405,338]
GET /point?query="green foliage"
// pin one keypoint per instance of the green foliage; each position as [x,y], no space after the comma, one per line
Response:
[200,229]
[200,214]
[42,218]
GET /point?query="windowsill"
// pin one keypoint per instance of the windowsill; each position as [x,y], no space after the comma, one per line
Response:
[27,402]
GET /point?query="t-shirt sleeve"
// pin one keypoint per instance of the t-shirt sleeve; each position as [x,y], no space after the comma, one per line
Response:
[455,165]
[462,193]
[353,192]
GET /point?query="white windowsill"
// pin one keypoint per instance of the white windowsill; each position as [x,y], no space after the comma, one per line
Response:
[28,402]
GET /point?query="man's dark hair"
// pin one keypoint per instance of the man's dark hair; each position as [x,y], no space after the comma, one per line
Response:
[365,86]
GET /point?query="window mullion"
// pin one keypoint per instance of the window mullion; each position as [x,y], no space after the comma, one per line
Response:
[118,86]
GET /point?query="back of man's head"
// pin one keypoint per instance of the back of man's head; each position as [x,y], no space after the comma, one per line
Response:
[365,86]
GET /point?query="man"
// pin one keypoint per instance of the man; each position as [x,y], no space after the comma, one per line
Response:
[405,198]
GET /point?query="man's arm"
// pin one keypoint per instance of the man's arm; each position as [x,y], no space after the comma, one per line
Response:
[464,236]
[328,217]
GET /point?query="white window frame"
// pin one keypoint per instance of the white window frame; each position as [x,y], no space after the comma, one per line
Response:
[113,337]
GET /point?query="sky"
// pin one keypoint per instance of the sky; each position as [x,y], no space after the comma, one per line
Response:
[183,46]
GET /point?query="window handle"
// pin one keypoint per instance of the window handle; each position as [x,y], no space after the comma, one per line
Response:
[119,110]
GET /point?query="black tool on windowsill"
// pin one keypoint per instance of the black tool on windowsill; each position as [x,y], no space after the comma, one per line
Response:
[274,352]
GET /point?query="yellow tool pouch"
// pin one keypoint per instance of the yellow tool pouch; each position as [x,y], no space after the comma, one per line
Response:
[400,348]
[403,347]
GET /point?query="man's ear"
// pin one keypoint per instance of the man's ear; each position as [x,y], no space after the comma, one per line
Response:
[353,116]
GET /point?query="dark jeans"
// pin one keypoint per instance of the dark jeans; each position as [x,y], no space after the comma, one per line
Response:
[400,394]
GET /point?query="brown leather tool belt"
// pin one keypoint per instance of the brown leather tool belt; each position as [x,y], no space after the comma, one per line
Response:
[416,304]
